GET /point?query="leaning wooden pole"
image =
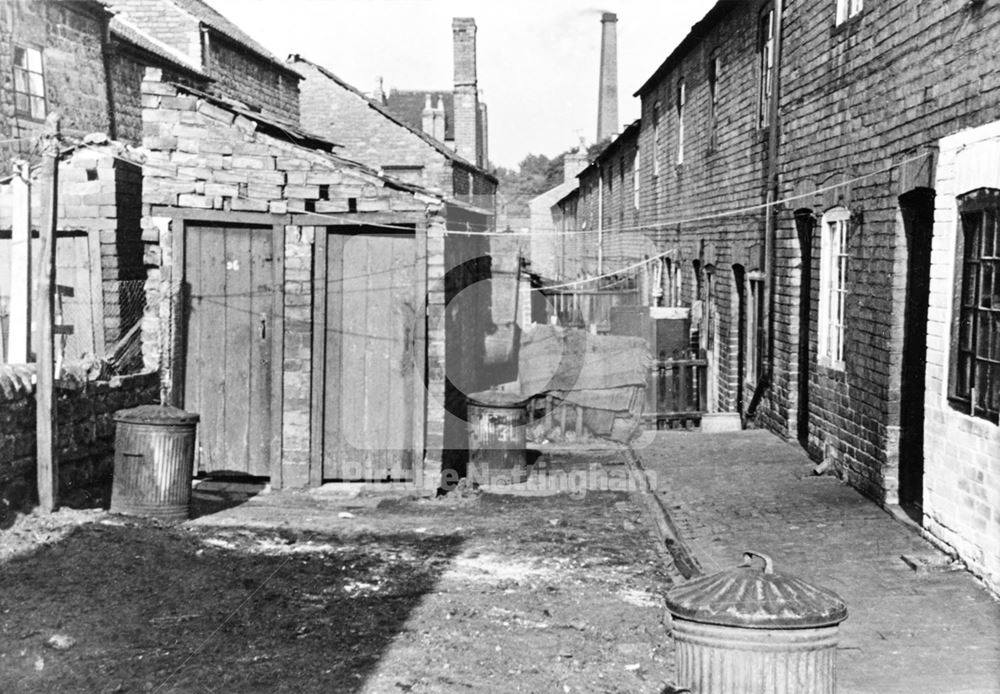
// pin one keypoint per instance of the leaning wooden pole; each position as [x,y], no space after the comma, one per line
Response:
[46,424]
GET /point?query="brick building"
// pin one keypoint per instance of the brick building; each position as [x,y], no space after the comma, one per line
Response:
[240,68]
[822,177]
[370,133]
[52,54]
[885,324]
[458,118]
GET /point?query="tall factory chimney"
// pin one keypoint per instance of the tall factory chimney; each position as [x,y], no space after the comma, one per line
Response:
[467,115]
[607,97]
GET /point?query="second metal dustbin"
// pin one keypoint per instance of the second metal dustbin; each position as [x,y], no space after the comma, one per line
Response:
[749,630]
[154,457]
[497,438]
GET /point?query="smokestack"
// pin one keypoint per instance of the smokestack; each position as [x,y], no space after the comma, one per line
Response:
[607,96]
[466,90]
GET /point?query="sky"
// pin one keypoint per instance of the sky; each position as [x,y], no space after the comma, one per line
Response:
[537,60]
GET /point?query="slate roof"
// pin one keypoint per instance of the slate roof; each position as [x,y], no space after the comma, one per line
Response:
[386,112]
[408,107]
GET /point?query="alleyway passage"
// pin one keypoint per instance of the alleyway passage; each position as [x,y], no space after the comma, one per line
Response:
[906,631]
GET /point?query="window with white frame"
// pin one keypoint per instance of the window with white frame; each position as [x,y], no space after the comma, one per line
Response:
[848,8]
[833,287]
[29,83]
[975,364]
[766,46]
[681,98]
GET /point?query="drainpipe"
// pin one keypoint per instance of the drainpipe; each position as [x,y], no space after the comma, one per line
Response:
[600,221]
[771,217]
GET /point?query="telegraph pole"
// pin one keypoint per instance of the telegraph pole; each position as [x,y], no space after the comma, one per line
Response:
[46,424]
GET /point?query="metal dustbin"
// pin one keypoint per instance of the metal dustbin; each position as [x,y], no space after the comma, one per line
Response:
[497,438]
[749,630]
[154,456]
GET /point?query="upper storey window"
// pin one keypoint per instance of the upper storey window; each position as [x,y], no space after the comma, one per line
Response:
[766,34]
[29,83]
[848,8]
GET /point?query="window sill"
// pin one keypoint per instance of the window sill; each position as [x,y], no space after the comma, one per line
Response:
[848,24]
[834,366]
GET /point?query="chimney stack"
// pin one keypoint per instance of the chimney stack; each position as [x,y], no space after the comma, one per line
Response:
[607,97]
[467,117]
[573,163]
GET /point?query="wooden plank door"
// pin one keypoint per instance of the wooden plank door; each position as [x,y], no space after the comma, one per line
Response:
[369,402]
[229,281]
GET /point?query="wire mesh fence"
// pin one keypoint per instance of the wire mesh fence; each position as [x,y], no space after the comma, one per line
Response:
[104,330]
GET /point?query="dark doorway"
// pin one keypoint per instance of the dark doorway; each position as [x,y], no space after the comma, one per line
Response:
[739,280]
[805,222]
[917,208]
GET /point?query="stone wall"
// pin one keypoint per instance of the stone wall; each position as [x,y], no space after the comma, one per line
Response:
[962,466]
[85,431]
[70,36]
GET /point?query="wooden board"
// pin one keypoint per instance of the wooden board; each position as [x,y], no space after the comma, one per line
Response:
[229,283]
[370,366]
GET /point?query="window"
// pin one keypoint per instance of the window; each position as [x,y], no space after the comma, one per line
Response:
[656,138]
[975,378]
[833,287]
[714,68]
[681,98]
[766,33]
[29,83]
[848,8]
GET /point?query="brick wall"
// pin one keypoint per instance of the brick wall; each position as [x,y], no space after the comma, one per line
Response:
[204,157]
[85,430]
[962,465]
[245,76]
[857,99]
[70,36]
[721,172]
[466,104]
[125,68]
[99,197]
[167,22]
[347,118]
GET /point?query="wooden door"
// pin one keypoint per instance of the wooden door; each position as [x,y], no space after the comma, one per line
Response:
[370,403]
[229,282]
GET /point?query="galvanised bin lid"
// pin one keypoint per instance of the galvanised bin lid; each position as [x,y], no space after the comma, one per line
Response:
[755,598]
[497,398]
[164,415]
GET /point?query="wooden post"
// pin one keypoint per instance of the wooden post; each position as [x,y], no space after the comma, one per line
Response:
[19,342]
[48,464]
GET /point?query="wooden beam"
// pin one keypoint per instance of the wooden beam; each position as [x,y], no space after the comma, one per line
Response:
[19,340]
[45,421]
[319,337]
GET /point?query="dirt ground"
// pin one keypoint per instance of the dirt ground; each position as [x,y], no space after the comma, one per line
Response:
[313,592]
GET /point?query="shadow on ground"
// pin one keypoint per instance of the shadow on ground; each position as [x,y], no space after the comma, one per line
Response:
[177,609]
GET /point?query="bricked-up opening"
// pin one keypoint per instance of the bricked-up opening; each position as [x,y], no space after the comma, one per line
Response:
[974,386]
[917,210]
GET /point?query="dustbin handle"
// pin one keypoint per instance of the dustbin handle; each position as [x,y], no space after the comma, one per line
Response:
[749,554]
